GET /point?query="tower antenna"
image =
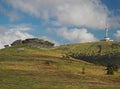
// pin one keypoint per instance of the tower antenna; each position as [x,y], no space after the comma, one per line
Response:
[106,38]
[106,31]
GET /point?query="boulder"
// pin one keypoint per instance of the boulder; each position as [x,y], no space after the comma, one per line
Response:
[17,42]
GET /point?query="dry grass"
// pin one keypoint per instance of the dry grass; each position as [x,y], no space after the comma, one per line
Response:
[46,69]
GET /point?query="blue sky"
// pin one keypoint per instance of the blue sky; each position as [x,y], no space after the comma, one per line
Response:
[59,21]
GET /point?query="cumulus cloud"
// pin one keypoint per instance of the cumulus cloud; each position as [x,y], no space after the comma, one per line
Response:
[8,35]
[117,35]
[14,32]
[21,27]
[114,22]
[76,35]
[3,29]
[51,40]
[85,13]
[66,13]
[88,13]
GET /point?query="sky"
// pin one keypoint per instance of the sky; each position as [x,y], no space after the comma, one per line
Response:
[59,21]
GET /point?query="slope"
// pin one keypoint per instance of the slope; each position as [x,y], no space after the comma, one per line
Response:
[22,67]
[96,52]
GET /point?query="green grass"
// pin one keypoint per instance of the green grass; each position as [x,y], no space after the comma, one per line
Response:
[47,69]
[96,52]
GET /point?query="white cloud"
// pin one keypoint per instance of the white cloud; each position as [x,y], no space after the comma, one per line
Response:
[3,29]
[15,32]
[22,27]
[8,35]
[88,13]
[66,13]
[117,35]
[76,35]
[114,22]
[51,40]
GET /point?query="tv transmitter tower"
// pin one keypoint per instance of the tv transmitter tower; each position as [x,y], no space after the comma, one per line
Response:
[106,38]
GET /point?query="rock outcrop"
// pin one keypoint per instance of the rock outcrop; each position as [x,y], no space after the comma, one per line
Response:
[34,42]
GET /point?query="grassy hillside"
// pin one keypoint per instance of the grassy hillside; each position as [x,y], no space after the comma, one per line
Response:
[97,52]
[22,67]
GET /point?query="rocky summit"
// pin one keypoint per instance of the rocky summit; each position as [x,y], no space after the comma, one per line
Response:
[34,42]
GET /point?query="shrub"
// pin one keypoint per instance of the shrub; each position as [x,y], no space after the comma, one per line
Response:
[110,71]
[6,46]
[83,70]
[115,67]
[49,62]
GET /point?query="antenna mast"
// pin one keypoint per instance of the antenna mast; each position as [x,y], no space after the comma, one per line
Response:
[106,29]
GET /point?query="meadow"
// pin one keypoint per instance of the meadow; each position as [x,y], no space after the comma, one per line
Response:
[34,68]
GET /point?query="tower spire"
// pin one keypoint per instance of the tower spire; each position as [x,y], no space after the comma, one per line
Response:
[106,29]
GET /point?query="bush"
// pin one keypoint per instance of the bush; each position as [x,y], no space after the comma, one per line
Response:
[110,71]
[49,62]
[112,68]
[115,67]
[83,70]
[6,46]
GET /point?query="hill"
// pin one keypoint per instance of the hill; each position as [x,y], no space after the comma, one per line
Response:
[25,67]
[96,52]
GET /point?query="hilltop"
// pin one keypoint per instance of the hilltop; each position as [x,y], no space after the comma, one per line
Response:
[27,67]
[33,42]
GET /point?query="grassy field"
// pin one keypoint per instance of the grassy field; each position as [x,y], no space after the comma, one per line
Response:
[34,68]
